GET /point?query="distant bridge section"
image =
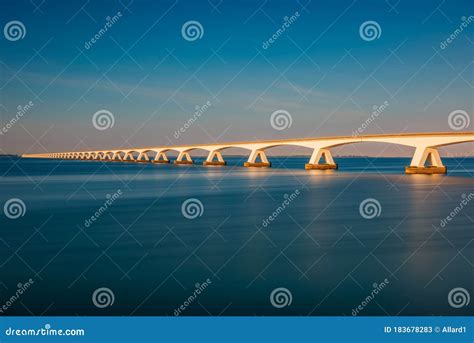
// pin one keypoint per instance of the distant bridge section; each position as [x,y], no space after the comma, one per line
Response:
[426,159]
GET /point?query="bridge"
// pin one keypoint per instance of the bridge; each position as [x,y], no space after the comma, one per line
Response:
[426,158]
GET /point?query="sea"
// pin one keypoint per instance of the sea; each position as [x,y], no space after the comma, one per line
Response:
[140,239]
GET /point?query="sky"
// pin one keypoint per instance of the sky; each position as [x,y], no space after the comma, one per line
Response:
[255,70]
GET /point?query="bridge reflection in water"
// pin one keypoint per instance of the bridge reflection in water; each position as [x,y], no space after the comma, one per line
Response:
[426,159]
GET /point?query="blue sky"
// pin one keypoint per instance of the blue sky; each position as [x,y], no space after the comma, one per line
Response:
[151,79]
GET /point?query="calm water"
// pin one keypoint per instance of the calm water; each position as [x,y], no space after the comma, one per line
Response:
[319,246]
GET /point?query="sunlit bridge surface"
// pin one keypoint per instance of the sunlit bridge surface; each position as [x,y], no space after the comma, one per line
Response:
[426,159]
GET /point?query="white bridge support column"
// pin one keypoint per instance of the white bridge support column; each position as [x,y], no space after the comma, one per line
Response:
[252,161]
[129,156]
[116,157]
[319,154]
[161,158]
[184,158]
[419,161]
[143,157]
[210,159]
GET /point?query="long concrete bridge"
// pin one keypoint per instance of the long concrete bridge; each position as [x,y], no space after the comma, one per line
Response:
[426,158]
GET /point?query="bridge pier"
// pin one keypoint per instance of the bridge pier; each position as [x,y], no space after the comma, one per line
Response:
[419,161]
[128,157]
[161,158]
[116,157]
[143,158]
[210,159]
[318,154]
[184,158]
[252,161]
